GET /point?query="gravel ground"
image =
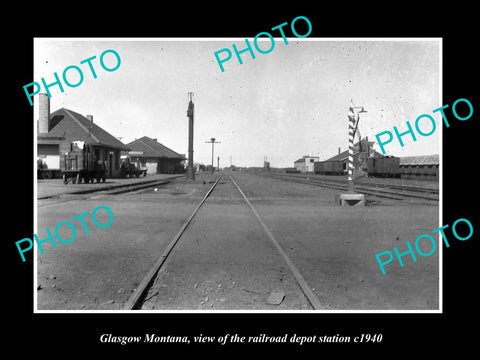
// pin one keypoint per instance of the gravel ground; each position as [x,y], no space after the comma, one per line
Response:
[100,270]
[224,261]
[336,246]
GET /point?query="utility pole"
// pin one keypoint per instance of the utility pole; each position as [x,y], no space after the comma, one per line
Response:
[190,167]
[218,163]
[212,141]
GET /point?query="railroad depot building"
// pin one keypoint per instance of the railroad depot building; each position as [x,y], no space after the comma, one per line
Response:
[157,158]
[305,164]
[419,166]
[64,126]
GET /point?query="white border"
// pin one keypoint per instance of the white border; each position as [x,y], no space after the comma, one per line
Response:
[439,311]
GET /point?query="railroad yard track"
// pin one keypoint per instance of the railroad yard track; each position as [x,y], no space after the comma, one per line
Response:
[387,191]
[145,291]
[90,191]
[232,241]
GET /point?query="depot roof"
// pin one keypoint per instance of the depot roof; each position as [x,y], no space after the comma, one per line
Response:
[152,148]
[70,125]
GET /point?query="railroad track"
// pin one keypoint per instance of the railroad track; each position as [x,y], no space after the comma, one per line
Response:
[91,191]
[387,191]
[139,296]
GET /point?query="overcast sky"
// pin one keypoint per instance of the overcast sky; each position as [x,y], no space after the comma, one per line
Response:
[290,102]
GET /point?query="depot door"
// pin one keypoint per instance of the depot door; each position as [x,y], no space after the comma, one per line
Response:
[151,167]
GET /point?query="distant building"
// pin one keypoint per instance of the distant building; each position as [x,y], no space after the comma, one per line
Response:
[198,166]
[157,158]
[65,126]
[305,164]
[419,166]
[343,156]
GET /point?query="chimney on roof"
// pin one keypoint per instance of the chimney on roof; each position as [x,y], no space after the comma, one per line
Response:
[90,117]
[155,140]
[339,149]
[43,113]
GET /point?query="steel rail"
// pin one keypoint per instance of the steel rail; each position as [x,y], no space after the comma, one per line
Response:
[136,298]
[92,189]
[312,298]
[373,184]
[116,190]
[368,189]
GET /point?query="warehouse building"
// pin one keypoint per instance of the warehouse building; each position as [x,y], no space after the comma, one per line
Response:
[67,126]
[157,158]
[419,166]
[305,164]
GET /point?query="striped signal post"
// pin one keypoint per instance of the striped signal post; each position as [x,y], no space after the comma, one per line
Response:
[351,134]
[353,119]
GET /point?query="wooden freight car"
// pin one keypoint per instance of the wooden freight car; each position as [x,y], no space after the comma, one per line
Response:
[78,162]
[386,166]
[329,167]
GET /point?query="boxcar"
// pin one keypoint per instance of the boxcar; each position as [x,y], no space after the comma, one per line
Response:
[334,167]
[292,171]
[387,166]
[78,162]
